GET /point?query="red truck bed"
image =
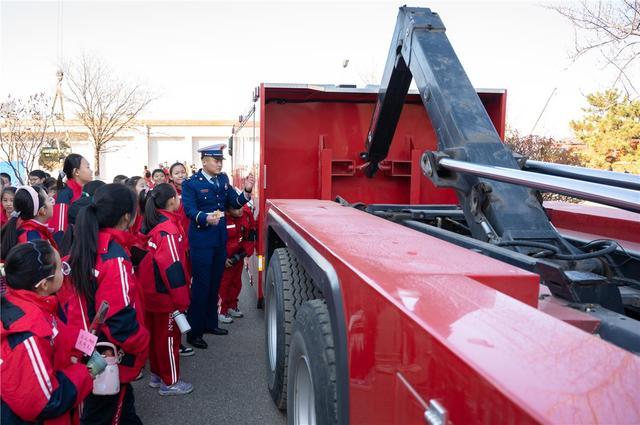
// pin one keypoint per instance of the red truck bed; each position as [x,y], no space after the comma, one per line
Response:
[427,319]
[422,319]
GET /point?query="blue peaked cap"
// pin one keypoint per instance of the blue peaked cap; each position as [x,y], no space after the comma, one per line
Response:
[213,151]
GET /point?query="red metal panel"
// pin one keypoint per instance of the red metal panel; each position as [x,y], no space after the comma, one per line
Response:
[290,164]
[416,177]
[560,310]
[415,306]
[294,119]
[586,221]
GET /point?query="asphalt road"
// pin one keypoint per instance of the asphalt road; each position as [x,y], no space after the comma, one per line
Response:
[228,379]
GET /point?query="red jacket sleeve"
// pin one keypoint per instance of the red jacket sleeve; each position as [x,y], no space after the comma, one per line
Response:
[117,286]
[60,218]
[251,234]
[33,390]
[171,260]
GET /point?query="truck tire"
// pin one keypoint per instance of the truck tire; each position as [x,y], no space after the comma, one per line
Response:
[312,395]
[287,287]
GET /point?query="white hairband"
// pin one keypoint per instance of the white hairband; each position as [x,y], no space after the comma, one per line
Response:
[34,198]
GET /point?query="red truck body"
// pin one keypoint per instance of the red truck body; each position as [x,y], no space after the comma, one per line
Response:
[419,318]
[303,142]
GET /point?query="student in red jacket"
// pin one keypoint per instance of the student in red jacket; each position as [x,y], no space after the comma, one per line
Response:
[8,193]
[241,240]
[138,186]
[177,175]
[39,384]
[165,282]
[101,270]
[78,173]
[32,210]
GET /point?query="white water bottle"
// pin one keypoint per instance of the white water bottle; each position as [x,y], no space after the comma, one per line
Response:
[108,382]
[181,320]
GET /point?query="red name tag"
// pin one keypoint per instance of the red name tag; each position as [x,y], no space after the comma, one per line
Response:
[204,190]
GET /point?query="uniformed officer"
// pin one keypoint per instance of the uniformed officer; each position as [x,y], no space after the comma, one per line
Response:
[205,196]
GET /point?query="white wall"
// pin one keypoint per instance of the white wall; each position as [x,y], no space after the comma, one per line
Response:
[139,147]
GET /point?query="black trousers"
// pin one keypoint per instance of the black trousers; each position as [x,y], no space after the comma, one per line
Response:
[117,409]
[207,265]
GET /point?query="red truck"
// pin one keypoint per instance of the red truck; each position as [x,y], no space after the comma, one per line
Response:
[408,268]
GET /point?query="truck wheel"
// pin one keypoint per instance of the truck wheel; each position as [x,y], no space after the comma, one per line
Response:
[287,287]
[312,368]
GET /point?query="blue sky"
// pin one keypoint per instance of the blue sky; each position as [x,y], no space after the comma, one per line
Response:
[202,59]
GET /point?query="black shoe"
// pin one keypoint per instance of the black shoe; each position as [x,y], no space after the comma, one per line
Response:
[198,343]
[216,331]
[186,351]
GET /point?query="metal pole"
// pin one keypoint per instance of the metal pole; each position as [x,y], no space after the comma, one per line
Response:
[614,196]
[609,178]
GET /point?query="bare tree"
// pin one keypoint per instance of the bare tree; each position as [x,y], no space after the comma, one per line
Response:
[545,149]
[611,28]
[105,105]
[24,131]
[369,74]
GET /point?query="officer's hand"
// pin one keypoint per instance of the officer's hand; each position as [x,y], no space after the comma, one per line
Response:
[228,263]
[249,182]
[212,220]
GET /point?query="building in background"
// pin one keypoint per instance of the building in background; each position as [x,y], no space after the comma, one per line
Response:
[149,143]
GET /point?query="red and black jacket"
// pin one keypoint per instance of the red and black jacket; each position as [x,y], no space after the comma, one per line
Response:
[184,220]
[117,284]
[60,219]
[137,240]
[163,272]
[4,218]
[31,230]
[38,385]
[241,234]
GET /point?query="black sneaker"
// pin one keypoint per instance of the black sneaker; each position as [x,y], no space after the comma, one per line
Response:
[186,351]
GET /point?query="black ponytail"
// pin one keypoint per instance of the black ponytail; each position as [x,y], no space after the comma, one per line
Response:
[110,203]
[71,162]
[22,209]
[76,206]
[156,199]
[132,182]
[29,263]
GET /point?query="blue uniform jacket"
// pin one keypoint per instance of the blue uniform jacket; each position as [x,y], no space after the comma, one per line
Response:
[199,197]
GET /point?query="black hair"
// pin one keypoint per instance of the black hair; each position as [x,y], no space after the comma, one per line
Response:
[91,187]
[6,176]
[8,189]
[50,183]
[39,174]
[120,178]
[147,174]
[176,164]
[23,209]
[156,199]
[29,263]
[142,200]
[64,247]
[132,182]
[71,162]
[88,190]
[158,170]
[110,203]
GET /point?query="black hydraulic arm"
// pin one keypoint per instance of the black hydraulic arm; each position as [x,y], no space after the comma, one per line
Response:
[421,51]
[496,196]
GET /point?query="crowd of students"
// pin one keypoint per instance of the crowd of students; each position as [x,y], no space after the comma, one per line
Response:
[73,244]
